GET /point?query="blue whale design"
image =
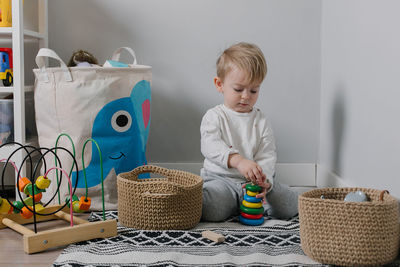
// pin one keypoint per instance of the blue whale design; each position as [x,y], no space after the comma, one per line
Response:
[121,130]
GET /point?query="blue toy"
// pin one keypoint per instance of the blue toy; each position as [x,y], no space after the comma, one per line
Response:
[252,222]
[252,199]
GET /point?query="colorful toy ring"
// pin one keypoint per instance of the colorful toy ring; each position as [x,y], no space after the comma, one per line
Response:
[251,216]
[250,221]
[251,205]
[253,187]
[252,194]
[252,199]
[251,210]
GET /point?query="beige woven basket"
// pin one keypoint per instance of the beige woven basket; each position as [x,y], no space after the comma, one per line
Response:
[172,202]
[349,233]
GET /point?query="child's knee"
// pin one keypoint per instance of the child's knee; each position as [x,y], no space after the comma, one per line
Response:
[282,202]
[218,202]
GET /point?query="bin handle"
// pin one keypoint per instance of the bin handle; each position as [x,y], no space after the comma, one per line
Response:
[117,54]
[382,194]
[41,62]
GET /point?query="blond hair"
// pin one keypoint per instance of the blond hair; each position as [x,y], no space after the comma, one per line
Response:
[248,58]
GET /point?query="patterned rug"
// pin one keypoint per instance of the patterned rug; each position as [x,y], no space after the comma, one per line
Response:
[275,243]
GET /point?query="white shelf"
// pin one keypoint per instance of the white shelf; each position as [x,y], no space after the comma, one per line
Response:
[34,34]
[7,32]
[18,36]
[10,89]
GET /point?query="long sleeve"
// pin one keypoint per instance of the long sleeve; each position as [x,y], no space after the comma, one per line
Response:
[265,155]
[213,147]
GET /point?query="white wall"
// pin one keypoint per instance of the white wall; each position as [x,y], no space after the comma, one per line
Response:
[360,97]
[181,40]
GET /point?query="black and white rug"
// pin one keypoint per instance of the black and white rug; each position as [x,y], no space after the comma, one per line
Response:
[275,243]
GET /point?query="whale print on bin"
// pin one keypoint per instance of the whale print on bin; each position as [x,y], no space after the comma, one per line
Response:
[121,129]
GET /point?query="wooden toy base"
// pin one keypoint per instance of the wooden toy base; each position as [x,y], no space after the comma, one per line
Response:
[81,231]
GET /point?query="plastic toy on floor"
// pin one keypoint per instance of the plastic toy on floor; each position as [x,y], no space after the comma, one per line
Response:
[251,210]
[31,209]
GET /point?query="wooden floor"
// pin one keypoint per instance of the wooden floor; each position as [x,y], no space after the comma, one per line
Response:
[12,250]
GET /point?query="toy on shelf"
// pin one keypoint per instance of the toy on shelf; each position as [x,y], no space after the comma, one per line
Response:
[5,13]
[251,210]
[31,209]
[6,66]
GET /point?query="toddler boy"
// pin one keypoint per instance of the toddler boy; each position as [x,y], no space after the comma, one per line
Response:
[237,141]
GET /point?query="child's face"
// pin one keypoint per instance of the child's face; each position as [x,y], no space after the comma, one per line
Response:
[238,95]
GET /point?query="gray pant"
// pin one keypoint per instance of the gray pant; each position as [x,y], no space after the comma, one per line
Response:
[222,198]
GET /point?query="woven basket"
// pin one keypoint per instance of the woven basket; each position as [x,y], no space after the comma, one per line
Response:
[172,202]
[349,233]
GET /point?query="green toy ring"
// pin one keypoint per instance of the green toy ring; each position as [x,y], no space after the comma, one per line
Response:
[251,211]
[253,187]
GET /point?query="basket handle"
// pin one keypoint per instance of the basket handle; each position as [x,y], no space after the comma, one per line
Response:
[41,62]
[382,194]
[117,54]
[150,169]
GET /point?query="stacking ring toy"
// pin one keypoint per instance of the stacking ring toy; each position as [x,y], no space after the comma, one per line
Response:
[251,216]
[253,187]
[252,194]
[252,205]
[250,221]
[251,210]
[252,199]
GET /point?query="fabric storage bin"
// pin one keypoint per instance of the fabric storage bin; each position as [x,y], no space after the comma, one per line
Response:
[6,120]
[110,105]
[333,231]
[172,202]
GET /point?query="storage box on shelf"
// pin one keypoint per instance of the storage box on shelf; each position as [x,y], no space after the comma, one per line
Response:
[7,119]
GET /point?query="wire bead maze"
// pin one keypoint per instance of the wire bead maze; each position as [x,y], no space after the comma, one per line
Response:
[31,209]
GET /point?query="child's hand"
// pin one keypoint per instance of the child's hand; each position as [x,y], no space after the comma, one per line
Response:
[265,187]
[251,170]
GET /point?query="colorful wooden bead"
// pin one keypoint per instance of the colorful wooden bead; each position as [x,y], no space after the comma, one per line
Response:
[251,205]
[42,182]
[74,198]
[5,207]
[251,210]
[75,206]
[252,194]
[253,187]
[84,203]
[29,200]
[28,190]
[39,207]
[252,199]
[251,221]
[251,216]
[18,206]
[38,197]
[22,182]
[25,213]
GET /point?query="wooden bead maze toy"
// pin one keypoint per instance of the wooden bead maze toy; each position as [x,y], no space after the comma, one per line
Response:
[31,209]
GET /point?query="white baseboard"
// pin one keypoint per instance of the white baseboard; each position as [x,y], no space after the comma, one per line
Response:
[293,174]
[326,178]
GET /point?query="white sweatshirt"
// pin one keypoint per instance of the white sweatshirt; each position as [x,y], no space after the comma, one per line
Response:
[225,131]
